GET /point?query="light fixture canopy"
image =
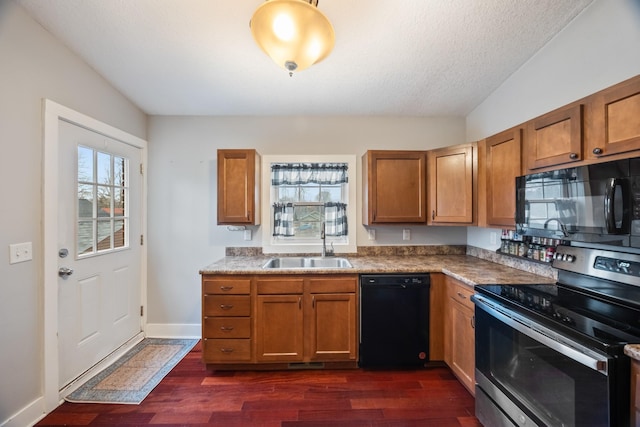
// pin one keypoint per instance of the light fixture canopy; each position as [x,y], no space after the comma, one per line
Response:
[294,33]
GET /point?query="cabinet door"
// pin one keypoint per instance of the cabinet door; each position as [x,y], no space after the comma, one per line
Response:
[555,138]
[459,332]
[503,165]
[451,185]
[463,345]
[237,182]
[395,187]
[615,120]
[332,327]
[279,328]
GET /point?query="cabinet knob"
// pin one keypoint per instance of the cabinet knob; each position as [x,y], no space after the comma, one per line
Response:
[433,215]
[597,151]
[573,156]
[226,350]
[226,288]
[226,306]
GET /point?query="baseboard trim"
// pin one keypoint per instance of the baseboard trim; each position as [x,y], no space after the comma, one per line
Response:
[27,416]
[173,330]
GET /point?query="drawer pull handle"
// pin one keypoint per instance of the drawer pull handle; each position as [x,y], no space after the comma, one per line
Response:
[226,328]
[461,295]
[226,350]
[226,288]
[226,306]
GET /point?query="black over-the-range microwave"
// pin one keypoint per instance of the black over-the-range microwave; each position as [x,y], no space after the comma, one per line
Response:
[597,203]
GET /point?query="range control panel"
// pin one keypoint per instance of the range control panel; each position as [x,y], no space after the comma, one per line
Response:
[631,268]
[611,265]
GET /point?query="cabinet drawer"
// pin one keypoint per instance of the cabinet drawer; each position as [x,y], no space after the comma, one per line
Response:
[323,285]
[461,294]
[226,287]
[226,327]
[280,286]
[226,305]
[226,350]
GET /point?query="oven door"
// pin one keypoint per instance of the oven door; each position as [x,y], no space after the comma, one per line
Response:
[536,377]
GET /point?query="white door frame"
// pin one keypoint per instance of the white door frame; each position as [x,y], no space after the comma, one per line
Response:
[52,113]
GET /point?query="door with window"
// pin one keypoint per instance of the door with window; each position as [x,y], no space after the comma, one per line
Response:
[99,244]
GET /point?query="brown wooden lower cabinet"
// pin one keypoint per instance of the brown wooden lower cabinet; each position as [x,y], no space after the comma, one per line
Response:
[459,339]
[635,393]
[437,315]
[279,319]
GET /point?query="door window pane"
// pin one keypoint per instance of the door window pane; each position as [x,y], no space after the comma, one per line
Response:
[102,213]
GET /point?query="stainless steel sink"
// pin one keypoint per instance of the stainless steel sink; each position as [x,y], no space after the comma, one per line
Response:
[307,262]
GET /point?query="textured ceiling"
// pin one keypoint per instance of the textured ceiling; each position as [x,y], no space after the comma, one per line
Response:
[400,58]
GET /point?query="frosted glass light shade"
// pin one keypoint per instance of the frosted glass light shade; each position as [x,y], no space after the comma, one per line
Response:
[294,33]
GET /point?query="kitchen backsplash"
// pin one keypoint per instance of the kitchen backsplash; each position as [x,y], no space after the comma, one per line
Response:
[516,262]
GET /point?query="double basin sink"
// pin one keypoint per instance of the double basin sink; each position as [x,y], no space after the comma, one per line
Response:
[307,263]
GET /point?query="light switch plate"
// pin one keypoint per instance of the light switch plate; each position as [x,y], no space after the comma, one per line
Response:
[406,234]
[247,234]
[20,252]
[372,234]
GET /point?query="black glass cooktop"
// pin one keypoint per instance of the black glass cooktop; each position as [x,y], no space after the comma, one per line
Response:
[594,320]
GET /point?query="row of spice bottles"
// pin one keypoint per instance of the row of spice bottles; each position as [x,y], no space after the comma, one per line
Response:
[532,247]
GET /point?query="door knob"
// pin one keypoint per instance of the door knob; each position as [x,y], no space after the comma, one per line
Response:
[65,272]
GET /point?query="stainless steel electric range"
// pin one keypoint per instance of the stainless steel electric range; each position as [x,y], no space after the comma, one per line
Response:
[553,355]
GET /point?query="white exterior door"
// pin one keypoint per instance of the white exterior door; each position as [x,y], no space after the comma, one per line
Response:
[100,256]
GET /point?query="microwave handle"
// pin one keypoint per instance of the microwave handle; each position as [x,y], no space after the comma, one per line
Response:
[609,205]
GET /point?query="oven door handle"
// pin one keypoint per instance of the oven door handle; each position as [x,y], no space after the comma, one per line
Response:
[544,335]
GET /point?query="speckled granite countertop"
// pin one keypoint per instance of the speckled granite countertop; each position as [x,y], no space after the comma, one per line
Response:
[633,351]
[468,269]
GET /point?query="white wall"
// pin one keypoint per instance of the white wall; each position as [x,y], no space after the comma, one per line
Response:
[600,48]
[33,66]
[183,235]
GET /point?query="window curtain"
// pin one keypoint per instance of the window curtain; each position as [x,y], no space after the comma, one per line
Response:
[308,173]
[283,219]
[335,217]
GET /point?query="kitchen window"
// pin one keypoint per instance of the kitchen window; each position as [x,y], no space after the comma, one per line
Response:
[303,193]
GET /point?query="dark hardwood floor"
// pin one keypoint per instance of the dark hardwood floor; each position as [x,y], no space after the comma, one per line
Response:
[191,396]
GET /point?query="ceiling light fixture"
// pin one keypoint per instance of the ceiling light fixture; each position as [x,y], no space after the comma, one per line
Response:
[294,33]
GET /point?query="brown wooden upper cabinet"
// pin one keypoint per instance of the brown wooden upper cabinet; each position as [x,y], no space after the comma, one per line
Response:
[615,120]
[503,164]
[238,187]
[394,187]
[554,138]
[451,184]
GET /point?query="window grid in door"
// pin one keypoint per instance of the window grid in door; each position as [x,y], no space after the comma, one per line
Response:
[103,208]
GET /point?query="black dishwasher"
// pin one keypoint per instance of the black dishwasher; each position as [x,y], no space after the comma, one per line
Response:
[394,320]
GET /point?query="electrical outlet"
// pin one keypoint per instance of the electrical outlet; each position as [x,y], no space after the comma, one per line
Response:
[372,234]
[20,252]
[406,234]
[493,237]
[247,234]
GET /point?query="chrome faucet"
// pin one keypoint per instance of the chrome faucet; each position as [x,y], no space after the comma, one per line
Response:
[323,236]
